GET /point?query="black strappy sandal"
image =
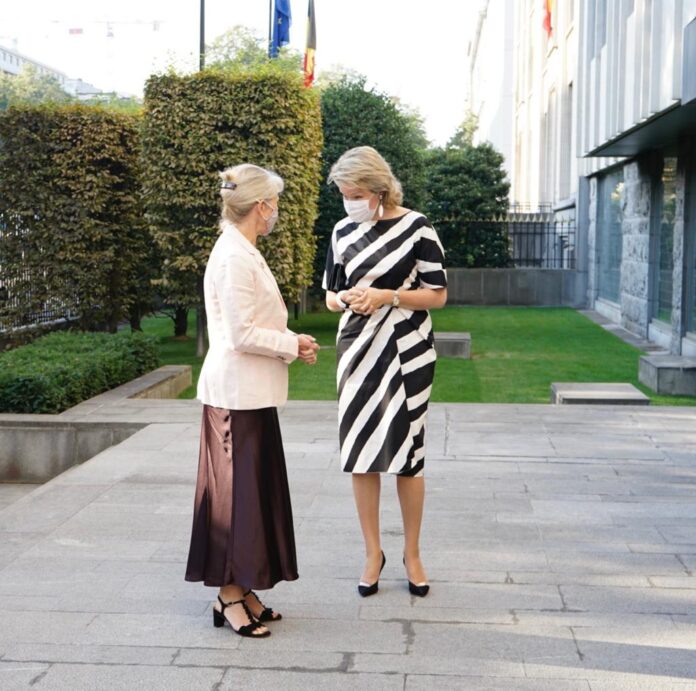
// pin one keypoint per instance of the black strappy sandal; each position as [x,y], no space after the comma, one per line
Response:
[268,614]
[247,630]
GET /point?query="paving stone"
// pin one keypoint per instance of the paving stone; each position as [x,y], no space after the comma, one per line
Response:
[20,675]
[86,653]
[60,677]
[424,682]
[301,681]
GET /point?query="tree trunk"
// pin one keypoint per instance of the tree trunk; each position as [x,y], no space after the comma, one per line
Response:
[180,321]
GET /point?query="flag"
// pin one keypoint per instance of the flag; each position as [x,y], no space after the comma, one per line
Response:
[311,46]
[548,10]
[281,26]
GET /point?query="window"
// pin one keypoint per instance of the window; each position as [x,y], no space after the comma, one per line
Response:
[663,223]
[609,236]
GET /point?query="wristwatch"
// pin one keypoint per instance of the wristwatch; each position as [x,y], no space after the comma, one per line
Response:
[395,299]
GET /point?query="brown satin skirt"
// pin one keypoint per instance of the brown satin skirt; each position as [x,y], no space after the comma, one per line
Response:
[242,518]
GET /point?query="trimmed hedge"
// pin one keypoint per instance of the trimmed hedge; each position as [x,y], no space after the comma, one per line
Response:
[60,370]
[73,237]
[199,124]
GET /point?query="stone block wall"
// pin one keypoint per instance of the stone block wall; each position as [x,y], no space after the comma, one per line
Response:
[678,276]
[635,263]
[593,201]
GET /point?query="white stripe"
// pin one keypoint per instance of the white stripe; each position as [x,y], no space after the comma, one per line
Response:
[380,341]
[404,224]
[386,263]
[431,234]
[434,286]
[401,456]
[427,267]
[411,339]
[369,407]
[343,243]
[418,399]
[424,359]
[380,433]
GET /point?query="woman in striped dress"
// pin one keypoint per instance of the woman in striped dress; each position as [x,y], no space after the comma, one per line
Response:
[384,270]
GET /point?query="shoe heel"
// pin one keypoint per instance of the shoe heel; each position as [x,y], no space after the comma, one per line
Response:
[218,619]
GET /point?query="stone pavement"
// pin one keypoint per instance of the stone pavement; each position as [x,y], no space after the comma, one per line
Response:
[560,543]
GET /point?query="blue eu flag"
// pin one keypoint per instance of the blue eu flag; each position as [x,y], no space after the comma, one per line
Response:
[281,26]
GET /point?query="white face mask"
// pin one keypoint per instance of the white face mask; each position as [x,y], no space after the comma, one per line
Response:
[271,220]
[358,209]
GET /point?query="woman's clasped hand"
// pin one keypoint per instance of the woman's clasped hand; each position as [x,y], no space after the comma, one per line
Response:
[307,349]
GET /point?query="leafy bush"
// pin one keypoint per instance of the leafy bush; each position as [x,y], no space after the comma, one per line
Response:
[197,125]
[466,185]
[60,370]
[73,240]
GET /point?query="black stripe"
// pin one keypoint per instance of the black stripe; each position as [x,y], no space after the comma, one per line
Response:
[396,430]
[433,278]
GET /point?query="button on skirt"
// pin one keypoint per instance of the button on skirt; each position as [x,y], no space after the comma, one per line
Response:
[242,517]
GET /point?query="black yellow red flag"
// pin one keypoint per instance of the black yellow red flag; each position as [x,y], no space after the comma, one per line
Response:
[311,46]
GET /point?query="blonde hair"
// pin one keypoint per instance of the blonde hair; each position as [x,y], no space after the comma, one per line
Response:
[243,186]
[364,167]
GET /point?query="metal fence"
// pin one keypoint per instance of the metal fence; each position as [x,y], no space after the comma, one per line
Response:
[15,295]
[540,242]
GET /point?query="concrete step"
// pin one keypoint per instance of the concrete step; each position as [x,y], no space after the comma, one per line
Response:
[668,374]
[453,344]
[605,393]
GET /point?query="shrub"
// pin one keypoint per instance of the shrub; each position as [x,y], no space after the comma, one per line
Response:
[60,370]
[72,239]
[197,125]
[466,185]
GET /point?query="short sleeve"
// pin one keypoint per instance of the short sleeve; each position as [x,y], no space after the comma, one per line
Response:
[334,271]
[430,259]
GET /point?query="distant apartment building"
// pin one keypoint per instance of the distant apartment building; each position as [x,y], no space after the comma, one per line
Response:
[12,62]
[636,139]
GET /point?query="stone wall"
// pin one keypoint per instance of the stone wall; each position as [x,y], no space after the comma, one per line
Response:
[635,263]
[678,275]
[592,281]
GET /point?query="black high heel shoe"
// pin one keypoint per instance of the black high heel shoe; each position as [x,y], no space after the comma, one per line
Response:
[364,589]
[247,630]
[268,614]
[420,589]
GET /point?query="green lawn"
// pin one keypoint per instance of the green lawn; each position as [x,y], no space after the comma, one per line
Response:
[516,353]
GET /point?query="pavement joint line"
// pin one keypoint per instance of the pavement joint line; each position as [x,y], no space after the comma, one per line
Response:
[687,570]
[581,655]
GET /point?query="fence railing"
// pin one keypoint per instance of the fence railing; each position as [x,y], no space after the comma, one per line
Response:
[536,239]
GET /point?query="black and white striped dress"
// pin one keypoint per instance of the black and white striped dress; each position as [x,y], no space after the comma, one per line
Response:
[386,361]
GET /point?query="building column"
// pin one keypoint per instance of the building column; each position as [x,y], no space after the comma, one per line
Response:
[678,273]
[635,264]
[591,259]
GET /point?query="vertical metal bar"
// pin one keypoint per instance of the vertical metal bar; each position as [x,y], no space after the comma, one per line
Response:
[201,49]
[270,26]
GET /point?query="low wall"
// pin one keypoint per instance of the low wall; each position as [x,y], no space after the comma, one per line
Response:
[35,448]
[532,287]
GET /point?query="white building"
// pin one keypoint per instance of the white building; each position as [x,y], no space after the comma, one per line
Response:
[12,62]
[491,90]
[545,167]
[637,139]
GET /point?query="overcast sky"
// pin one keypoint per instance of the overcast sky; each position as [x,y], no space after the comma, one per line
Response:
[410,49]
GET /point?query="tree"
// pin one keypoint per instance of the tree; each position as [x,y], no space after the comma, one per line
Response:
[239,49]
[353,115]
[464,135]
[467,190]
[30,87]
[200,124]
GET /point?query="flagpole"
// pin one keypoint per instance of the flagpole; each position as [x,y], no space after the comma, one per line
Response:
[201,48]
[270,26]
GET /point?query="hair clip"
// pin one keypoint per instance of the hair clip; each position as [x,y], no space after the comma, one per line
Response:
[226,185]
